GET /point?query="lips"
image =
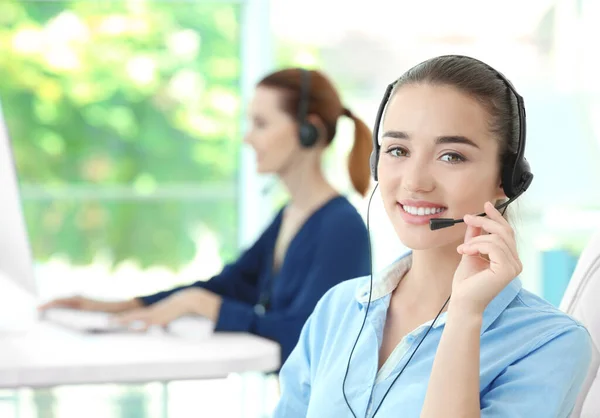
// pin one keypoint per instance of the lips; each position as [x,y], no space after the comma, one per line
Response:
[419,212]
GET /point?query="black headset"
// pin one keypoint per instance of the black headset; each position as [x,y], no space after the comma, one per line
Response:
[308,132]
[516,172]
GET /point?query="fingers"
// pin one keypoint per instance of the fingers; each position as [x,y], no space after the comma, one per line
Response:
[472,232]
[141,319]
[133,315]
[59,303]
[471,246]
[500,256]
[494,228]
[477,223]
[493,213]
[47,305]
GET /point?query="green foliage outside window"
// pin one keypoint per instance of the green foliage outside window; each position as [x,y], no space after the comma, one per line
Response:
[124,118]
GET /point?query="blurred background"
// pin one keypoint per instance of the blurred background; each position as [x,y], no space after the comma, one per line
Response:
[127,120]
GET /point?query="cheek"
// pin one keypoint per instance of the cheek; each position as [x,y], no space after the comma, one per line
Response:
[281,148]
[268,139]
[389,184]
[468,193]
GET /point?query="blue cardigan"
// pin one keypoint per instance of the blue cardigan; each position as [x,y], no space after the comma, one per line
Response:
[332,246]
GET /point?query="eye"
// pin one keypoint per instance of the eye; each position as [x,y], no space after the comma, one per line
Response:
[397,152]
[453,158]
[258,123]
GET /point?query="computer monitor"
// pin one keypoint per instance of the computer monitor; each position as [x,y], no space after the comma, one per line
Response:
[18,291]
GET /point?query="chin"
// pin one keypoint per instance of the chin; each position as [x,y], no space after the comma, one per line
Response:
[262,168]
[420,238]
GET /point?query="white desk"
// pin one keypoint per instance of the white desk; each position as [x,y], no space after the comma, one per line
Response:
[50,355]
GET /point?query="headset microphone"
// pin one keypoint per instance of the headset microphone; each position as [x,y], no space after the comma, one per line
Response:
[439,223]
[266,189]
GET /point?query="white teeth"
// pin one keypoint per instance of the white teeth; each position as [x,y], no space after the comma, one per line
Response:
[421,211]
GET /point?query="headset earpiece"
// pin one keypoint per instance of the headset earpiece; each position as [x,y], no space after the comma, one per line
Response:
[307,132]
[508,175]
[373,160]
[516,175]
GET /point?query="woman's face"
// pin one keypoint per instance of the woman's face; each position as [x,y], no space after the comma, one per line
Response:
[438,159]
[272,133]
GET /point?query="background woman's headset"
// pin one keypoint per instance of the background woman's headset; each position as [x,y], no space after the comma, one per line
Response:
[307,131]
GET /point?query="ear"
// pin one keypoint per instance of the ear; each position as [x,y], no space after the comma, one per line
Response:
[500,195]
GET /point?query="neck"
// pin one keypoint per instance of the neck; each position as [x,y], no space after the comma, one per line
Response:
[306,184]
[430,276]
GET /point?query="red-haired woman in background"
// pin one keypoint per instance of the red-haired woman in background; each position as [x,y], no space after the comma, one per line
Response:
[316,241]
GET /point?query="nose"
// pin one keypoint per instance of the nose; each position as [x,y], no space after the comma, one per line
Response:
[418,176]
[247,139]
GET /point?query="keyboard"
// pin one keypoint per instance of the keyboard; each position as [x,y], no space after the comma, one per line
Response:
[84,321]
[186,327]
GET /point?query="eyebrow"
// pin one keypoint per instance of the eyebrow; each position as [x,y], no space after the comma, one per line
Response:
[445,139]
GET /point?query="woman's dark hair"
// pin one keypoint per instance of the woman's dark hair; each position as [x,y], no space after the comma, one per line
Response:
[324,102]
[480,82]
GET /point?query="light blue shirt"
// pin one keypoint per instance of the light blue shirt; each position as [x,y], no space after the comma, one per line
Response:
[534,358]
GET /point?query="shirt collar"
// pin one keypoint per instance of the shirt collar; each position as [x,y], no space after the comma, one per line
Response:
[387,280]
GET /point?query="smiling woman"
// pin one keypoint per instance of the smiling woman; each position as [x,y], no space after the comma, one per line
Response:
[446,330]
[430,150]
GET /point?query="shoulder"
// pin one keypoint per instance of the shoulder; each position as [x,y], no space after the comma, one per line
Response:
[273,226]
[534,348]
[341,219]
[341,210]
[345,292]
[536,310]
[338,300]
[534,323]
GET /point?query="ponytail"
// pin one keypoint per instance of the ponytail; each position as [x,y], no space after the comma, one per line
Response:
[358,161]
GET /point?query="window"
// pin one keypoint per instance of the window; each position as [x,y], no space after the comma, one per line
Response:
[124,119]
